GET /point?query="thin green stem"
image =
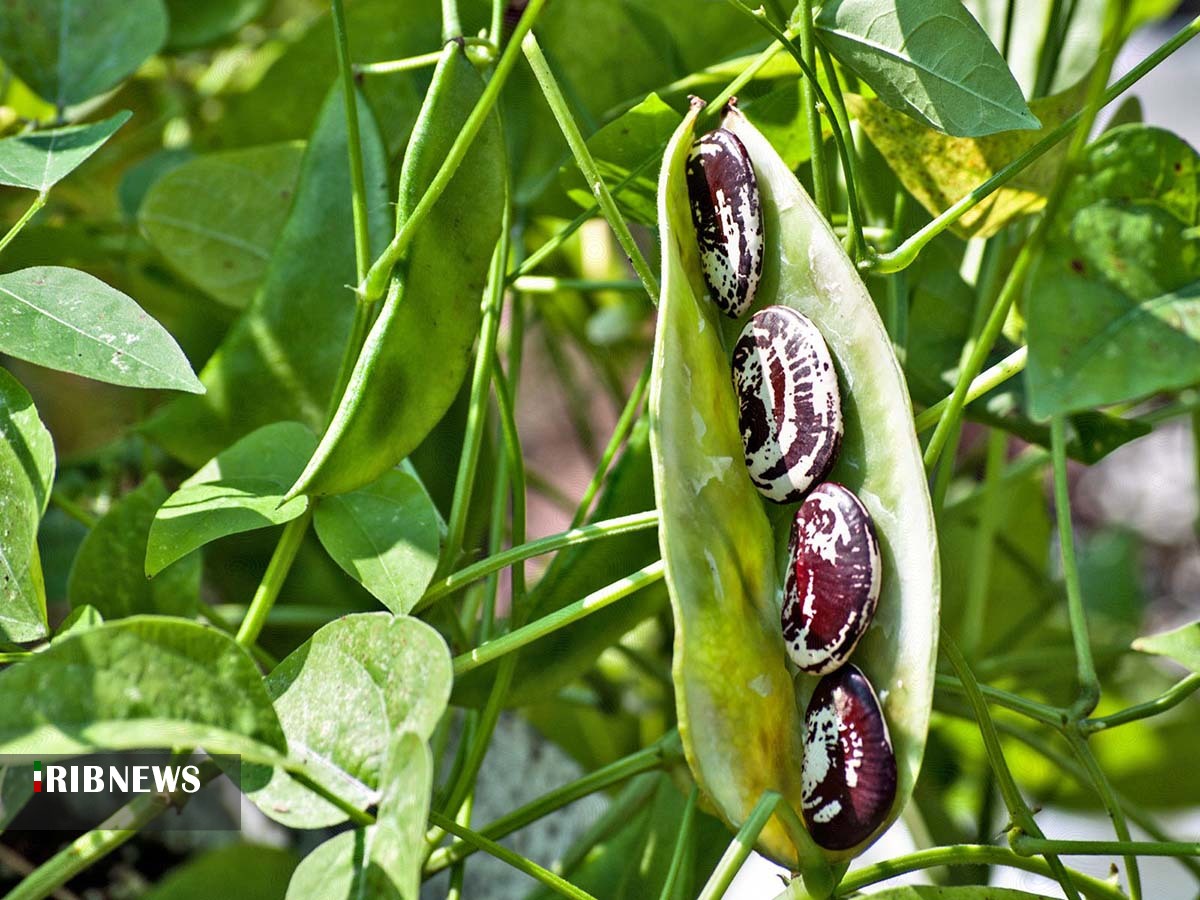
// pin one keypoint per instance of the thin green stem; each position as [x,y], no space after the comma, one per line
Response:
[625,422]
[1108,797]
[1011,365]
[812,112]
[38,202]
[969,855]
[984,541]
[84,517]
[521,552]
[560,618]
[557,884]
[1169,699]
[300,773]
[905,254]
[1048,52]
[587,164]
[739,848]
[407,64]
[373,286]
[1015,803]
[841,122]
[93,846]
[1028,846]
[272,581]
[1089,682]
[549,284]
[665,752]
[1039,712]
[681,845]
[477,406]
[451,26]
[14,656]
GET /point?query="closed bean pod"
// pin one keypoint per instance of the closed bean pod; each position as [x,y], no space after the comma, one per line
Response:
[728,217]
[849,767]
[789,408]
[833,579]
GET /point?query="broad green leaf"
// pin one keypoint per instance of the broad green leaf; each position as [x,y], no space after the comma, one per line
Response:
[68,52]
[142,175]
[281,359]
[341,697]
[739,711]
[385,536]
[215,219]
[956,892]
[109,572]
[68,320]
[26,475]
[196,24]
[561,657]
[419,349]
[620,147]
[240,489]
[16,789]
[1114,307]
[244,872]
[939,170]
[928,58]
[40,159]
[143,682]
[1181,645]
[81,618]
[280,106]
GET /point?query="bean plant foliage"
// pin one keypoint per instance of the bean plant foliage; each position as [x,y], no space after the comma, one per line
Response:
[286,283]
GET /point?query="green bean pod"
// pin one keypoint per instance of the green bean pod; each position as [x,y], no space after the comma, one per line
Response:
[419,349]
[740,702]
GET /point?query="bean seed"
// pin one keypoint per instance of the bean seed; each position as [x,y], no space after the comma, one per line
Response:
[728,217]
[833,578]
[849,771]
[789,407]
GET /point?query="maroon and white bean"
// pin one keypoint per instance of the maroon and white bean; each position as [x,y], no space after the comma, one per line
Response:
[789,407]
[849,771]
[833,578]
[723,192]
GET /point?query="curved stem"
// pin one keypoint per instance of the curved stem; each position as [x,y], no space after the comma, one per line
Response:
[38,202]
[272,581]
[1032,709]
[969,855]
[1108,797]
[1011,365]
[1027,846]
[808,95]
[1172,697]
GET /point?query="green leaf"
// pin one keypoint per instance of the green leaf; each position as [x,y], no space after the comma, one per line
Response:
[143,682]
[419,349]
[244,872]
[739,711]
[939,170]
[109,571]
[241,489]
[196,24]
[81,618]
[68,52]
[619,148]
[561,657]
[928,58]
[26,474]
[16,789]
[40,159]
[341,696]
[1181,645]
[1114,306]
[68,320]
[281,359]
[215,219]
[385,536]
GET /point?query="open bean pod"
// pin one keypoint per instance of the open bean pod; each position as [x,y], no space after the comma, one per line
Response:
[740,707]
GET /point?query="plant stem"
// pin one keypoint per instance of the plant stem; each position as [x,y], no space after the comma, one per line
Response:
[521,552]
[559,885]
[841,122]
[1021,816]
[905,254]
[812,111]
[76,511]
[272,580]
[477,408]
[985,536]
[587,164]
[451,26]
[1011,365]
[969,855]
[38,202]
[740,847]
[1028,846]
[681,845]
[1100,782]
[663,752]
[373,286]
[407,64]
[300,773]
[560,618]
[1089,682]
[549,284]
[1039,712]
[1168,699]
